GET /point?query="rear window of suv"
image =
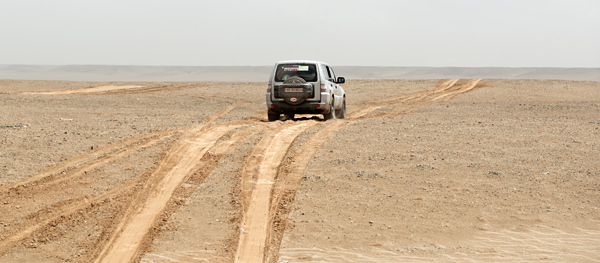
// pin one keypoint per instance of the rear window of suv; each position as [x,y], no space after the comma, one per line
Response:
[306,71]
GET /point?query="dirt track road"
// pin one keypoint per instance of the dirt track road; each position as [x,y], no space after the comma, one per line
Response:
[99,202]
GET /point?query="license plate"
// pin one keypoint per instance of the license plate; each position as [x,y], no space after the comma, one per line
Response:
[294,89]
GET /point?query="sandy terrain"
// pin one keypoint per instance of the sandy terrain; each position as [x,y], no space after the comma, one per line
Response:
[453,170]
[260,73]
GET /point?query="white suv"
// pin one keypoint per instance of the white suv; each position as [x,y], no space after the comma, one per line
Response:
[305,87]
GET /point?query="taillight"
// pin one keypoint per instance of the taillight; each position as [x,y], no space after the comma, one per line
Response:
[322,86]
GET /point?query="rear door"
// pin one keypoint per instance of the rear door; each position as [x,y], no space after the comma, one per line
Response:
[336,88]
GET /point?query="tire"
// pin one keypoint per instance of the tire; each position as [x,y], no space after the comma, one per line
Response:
[273,116]
[331,114]
[341,114]
[297,98]
[294,80]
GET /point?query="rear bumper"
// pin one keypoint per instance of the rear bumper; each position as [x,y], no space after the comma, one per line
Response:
[307,107]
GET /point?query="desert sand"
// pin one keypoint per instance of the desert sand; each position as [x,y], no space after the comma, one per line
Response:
[261,73]
[450,170]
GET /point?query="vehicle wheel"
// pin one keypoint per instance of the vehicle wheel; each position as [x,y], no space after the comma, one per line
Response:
[331,114]
[341,114]
[273,116]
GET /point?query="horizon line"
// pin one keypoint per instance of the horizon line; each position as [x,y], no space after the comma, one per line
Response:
[374,66]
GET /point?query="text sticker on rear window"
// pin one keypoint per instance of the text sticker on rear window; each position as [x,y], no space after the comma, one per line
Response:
[296,68]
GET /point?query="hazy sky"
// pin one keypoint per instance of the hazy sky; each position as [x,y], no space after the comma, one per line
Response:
[466,33]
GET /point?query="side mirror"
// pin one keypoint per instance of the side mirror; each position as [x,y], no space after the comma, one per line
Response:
[341,80]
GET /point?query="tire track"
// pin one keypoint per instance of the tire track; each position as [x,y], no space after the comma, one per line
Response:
[259,172]
[56,212]
[122,148]
[289,181]
[291,178]
[82,91]
[111,89]
[179,163]
[66,174]
[60,174]
[444,92]
[51,208]
[214,157]
[152,89]
[414,97]
[263,223]
[268,184]
[465,88]
[209,161]
[256,246]
[106,154]
[406,101]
